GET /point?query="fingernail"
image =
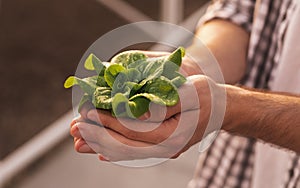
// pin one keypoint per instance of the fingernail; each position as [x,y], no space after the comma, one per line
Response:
[92,115]
[102,158]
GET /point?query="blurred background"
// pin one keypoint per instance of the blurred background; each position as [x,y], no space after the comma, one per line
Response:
[41,43]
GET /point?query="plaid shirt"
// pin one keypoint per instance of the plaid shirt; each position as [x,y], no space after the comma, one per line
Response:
[229,161]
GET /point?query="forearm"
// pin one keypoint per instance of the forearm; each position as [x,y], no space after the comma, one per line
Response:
[229,44]
[271,117]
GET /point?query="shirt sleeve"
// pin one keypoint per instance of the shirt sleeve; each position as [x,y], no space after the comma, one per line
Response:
[236,11]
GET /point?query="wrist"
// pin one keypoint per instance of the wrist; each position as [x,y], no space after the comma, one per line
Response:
[237,108]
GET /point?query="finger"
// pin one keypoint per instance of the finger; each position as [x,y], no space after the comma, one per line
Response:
[93,133]
[116,147]
[151,132]
[82,147]
[75,120]
[74,131]
[185,125]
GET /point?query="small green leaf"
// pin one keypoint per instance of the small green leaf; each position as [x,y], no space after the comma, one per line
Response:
[133,75]
[88,64]
[85,98]
[178,79]
[176,56]
[112,72]
[126,82]
[119,83]
[163,89]
[133,88]
[120,106]
[154,68]
[88,84]
[101,81]
[139,106]
[70,81]
[102,98]
[93,63]
[138,65]
[169,69]
[151,97]
[128,57]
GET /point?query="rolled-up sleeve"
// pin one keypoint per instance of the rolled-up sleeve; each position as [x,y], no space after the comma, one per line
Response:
[240,12]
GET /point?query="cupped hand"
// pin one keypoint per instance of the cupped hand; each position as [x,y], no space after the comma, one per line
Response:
[162,135]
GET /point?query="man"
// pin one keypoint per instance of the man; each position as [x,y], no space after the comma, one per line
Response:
[255,42]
